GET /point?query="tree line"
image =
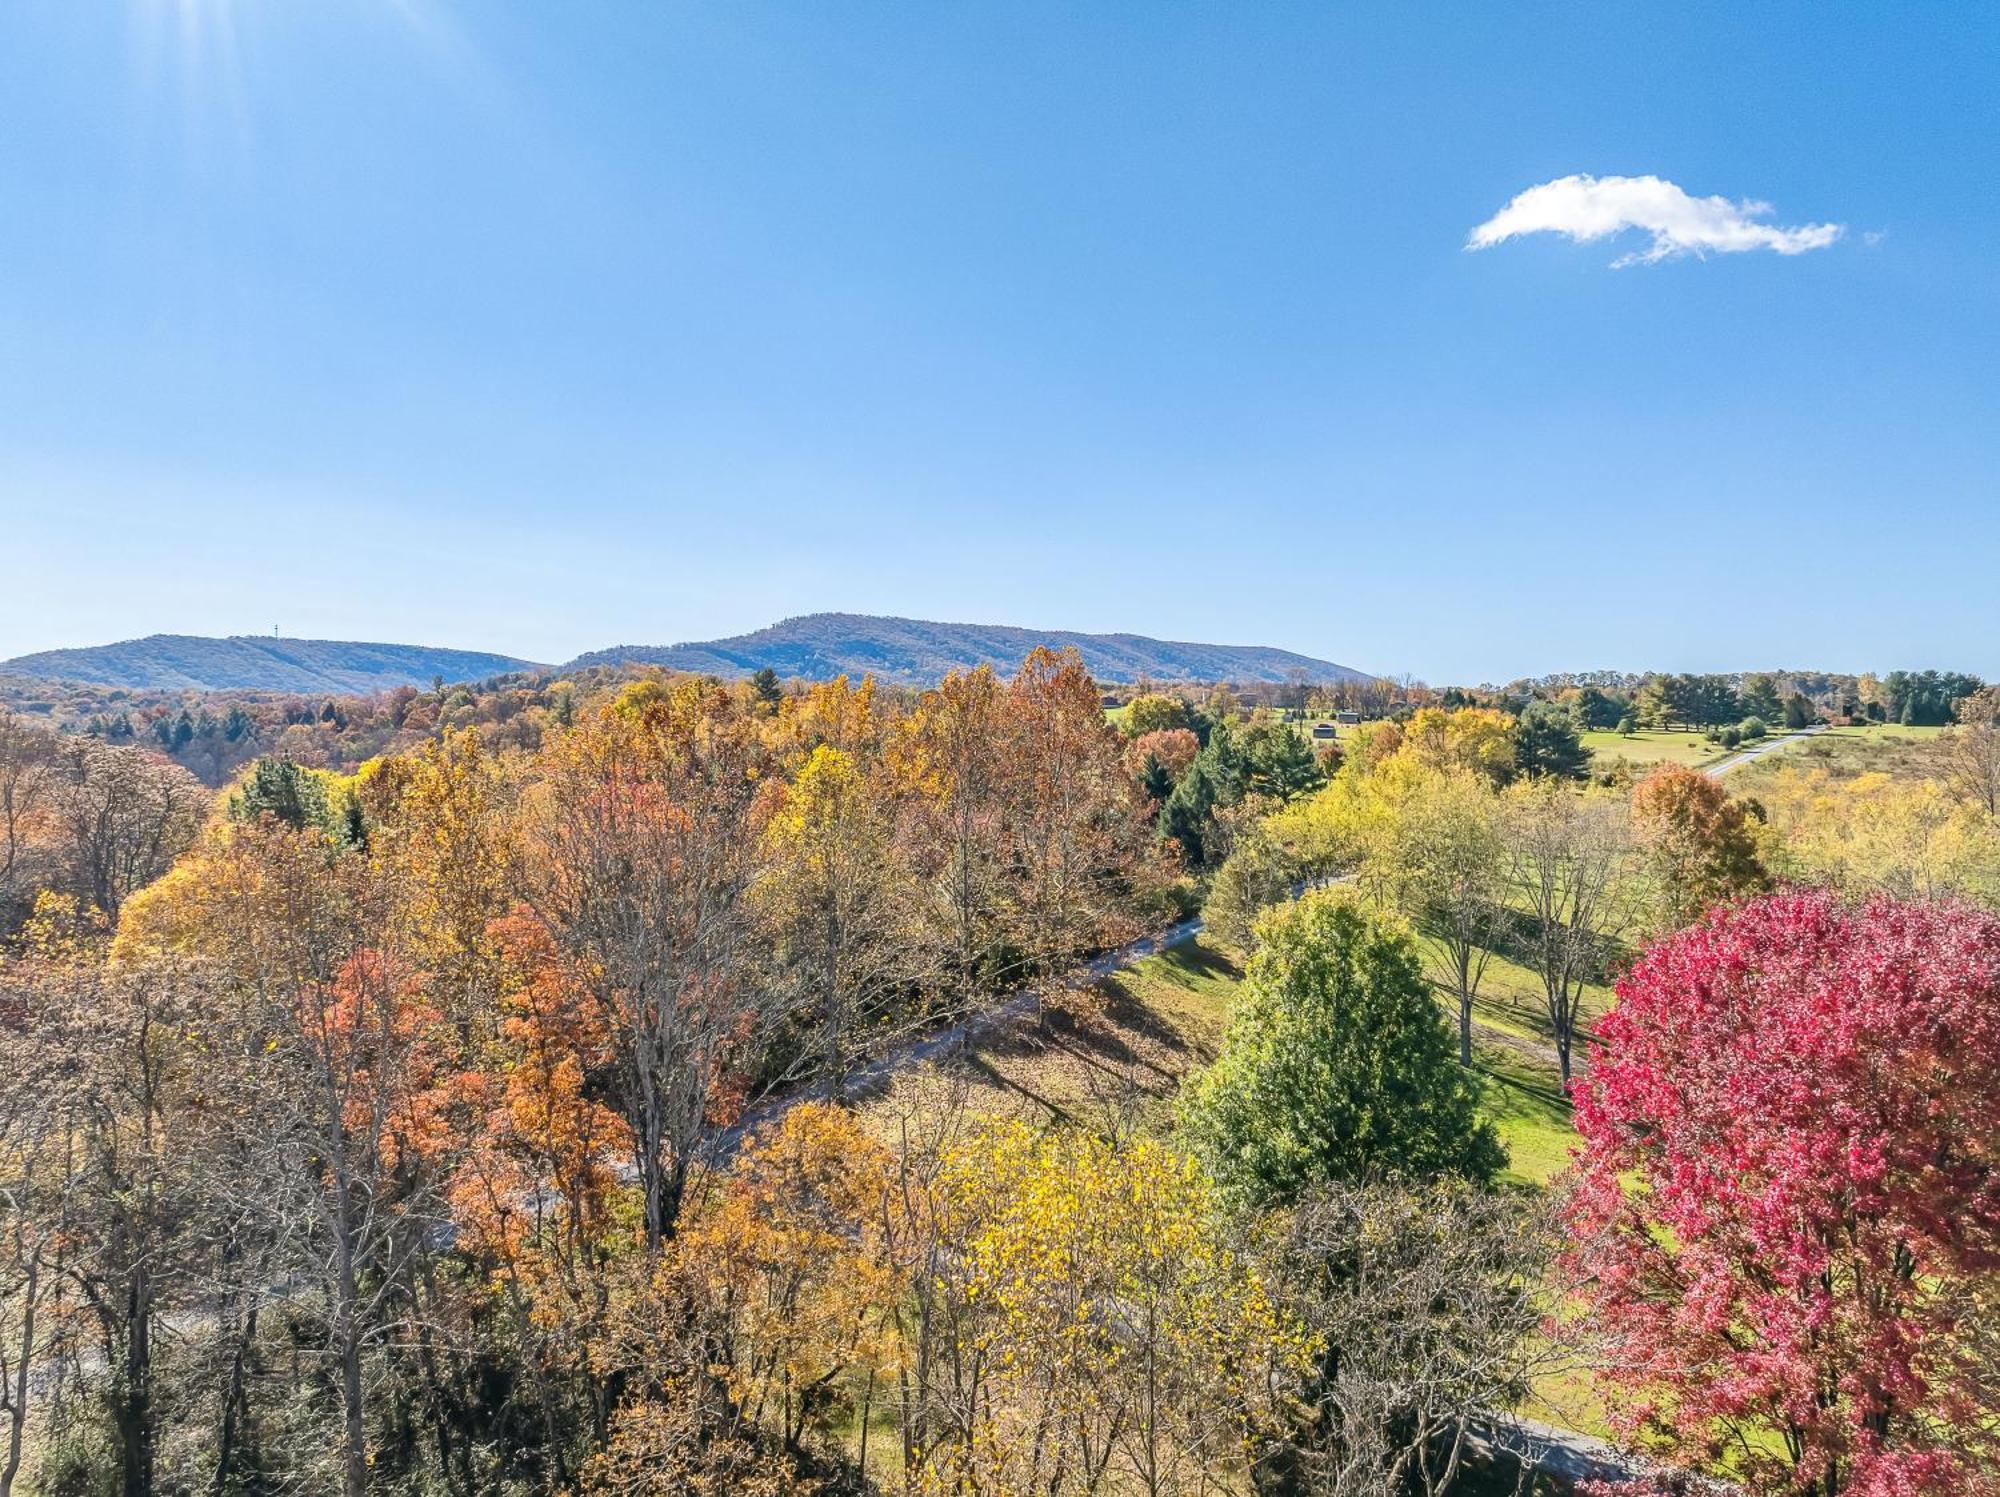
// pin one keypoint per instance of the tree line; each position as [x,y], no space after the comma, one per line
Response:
[396,1130]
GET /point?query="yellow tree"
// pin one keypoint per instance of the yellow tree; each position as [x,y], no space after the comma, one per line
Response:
[1910,838]
[788,1255]
[1431,846]
[837,900]
[447,843]
[1478,740]
[948,754]
[1101,1333]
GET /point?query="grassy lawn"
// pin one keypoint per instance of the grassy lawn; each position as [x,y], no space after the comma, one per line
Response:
[1113,1056]
[1302,726]
[1652,746]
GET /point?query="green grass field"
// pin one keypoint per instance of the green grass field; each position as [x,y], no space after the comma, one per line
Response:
[1652,746]
[1114,1056]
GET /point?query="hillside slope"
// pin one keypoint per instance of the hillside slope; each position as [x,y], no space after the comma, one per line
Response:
[913,651]
[169,662]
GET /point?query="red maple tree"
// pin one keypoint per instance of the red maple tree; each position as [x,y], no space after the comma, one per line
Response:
[1786,1214]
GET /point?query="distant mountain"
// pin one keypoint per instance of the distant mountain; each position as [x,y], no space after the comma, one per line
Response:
[249,662]
[913,652]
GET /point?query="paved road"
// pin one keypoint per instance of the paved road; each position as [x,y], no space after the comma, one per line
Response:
[1757,751]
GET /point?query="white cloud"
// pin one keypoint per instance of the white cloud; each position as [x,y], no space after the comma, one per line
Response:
[1587,208]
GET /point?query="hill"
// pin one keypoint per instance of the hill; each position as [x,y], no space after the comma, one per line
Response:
[243,662]
[916,652]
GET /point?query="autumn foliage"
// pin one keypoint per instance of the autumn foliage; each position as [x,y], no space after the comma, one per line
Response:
[1787,1212]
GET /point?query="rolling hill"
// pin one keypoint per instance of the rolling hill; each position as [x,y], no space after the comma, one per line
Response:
[815,647]
[243,662]
[915,652]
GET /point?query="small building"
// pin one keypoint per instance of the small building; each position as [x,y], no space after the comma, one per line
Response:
[1325,731]
[1348,719]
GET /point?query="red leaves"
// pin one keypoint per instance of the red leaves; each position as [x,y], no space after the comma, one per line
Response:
[1789,1193]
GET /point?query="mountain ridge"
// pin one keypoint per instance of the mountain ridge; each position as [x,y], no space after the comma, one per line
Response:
[912,652]
[253,662]
[919,651]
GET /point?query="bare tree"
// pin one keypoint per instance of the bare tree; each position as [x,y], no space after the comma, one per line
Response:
[1971,750]
[1570,855]
[26,753]
[124,815]
[94,1189]
[1426,1303]
[38,1189]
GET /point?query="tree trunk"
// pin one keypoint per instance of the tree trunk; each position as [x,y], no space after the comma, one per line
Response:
[17,1407]
[134,1411]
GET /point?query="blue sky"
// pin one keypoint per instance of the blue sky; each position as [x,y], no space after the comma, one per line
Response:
[536,327]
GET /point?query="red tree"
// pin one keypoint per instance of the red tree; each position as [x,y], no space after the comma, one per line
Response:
[1786,1216]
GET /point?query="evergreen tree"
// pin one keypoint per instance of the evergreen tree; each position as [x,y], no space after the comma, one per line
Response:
[281,789]
[1279,762]
[1339,1065]
[1546,743]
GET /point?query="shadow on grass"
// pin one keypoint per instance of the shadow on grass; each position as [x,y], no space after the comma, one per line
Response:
[1541,1093]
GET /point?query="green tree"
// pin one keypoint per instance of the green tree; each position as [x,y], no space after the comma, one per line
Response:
[1153,712]
[764,684]
[1279,762]
[1215,780]
[1339,1065]
[1156,780]
[1546,743]
[1190,810]
[1596,709]
[1798,712]
[1760,698]
[282,789]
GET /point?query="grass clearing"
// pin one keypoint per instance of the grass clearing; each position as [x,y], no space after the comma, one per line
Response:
[1113,1056]
[1650,747]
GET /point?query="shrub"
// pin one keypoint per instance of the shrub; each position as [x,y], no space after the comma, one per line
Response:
[1339,1065]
